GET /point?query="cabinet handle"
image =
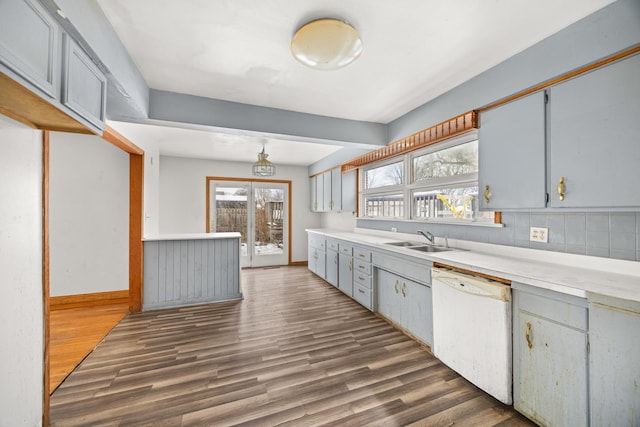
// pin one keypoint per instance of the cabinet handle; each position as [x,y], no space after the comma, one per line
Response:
[335,259]
[487,194]
[396,286]
[360,277]
[361,291]
[527,335]
[404,289]
[561,188]
[350,265]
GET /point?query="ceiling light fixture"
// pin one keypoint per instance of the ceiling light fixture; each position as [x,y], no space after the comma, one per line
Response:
[326,44]
[263,167]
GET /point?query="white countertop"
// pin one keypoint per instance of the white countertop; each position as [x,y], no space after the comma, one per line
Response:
[567,273]
[191,236]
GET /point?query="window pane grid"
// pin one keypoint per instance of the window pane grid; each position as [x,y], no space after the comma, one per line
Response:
[458,203]
[386,206]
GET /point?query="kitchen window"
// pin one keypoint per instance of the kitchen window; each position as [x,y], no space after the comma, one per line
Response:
[442,184]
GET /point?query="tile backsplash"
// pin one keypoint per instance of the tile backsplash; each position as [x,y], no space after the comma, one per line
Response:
[603,234]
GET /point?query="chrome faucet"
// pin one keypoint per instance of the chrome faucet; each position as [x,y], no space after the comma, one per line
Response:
[427,236]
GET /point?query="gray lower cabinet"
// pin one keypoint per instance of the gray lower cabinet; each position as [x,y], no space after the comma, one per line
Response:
[550,345]
[593,138]
[345,268]
[84,87]
[406,303]
[512,155]
[316,255]
[331,272]
[614,337]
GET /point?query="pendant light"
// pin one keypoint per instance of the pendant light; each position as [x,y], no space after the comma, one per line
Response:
[263,167]
[326,44]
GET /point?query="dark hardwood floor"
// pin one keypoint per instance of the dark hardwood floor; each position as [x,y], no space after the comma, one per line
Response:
[295,352]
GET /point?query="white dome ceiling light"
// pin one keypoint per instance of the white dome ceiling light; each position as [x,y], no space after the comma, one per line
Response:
[326,44]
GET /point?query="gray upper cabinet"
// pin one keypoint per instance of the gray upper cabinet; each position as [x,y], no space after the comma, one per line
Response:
[336,190]
[84,88]
[349,191]
[326,199]
[30,44]
[333,191]
[512,155]
[594,132]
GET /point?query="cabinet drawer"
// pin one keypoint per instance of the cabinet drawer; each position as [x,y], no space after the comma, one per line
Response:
[362,279]
[332,245]
[346,249]
[362,254]
[555,310]
[317,242]
[361,266]
[362,295]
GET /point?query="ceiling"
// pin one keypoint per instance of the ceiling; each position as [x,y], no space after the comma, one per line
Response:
[414,50]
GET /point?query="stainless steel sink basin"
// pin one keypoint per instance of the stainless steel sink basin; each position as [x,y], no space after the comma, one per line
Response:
[430,248]
[405,244]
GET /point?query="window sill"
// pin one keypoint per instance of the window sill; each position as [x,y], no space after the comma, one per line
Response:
[435,221]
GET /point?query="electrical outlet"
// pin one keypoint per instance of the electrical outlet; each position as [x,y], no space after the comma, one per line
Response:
[539,234]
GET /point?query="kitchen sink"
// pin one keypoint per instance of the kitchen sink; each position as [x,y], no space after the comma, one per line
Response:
[430,248]
[405,244]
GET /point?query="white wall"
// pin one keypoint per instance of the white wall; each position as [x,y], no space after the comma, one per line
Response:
[21,308]
[339,221]
[183,196]
[89,215]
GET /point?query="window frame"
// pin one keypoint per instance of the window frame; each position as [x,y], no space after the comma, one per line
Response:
[409,185]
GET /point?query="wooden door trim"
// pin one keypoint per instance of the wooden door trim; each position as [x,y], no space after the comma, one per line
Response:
[274,181]
[45,276]
[136,207]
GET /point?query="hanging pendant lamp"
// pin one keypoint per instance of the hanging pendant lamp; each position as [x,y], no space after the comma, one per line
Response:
[263,167]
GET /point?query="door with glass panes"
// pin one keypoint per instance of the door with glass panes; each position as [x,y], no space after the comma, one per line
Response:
[258,210]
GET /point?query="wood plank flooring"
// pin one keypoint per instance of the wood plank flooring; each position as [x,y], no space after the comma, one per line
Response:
[295,352]
[75,332]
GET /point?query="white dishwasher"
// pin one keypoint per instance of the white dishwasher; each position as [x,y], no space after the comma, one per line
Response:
[472,329]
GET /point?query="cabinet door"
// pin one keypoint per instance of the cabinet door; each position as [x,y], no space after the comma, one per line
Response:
[321,264]
[345,274]
[550,375]
[349,191]
[84,87]
[326,196]
[332,268]
[593,138]
[312,256]
[313,191]
[418,316]
[320,207]
[30,44]
[389,297]
[336,190]
[614,367]
[511,155]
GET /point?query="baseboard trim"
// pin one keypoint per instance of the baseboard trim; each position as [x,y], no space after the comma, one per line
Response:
[298,263]
[88,300]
